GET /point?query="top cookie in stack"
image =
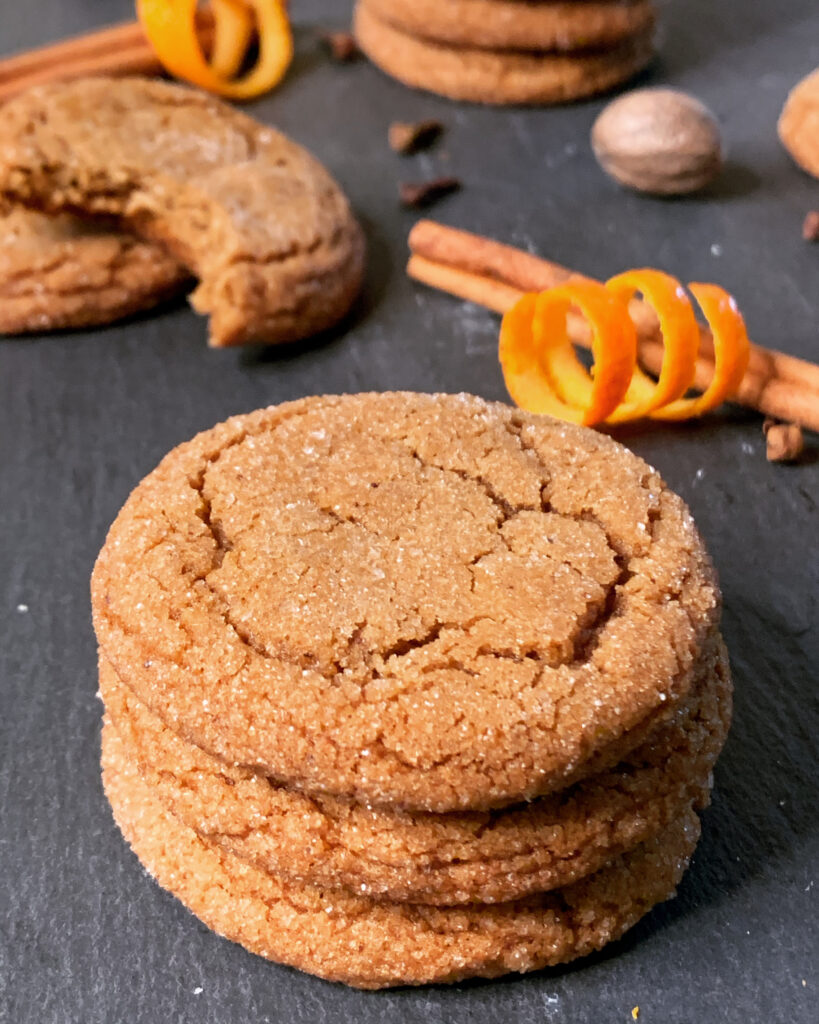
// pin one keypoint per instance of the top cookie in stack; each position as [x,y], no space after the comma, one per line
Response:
[406,688]
[508,51]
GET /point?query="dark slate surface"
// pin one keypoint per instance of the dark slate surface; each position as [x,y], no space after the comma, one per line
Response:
[85,936]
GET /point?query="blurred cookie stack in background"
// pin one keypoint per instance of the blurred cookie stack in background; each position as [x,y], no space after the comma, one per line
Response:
[508,51]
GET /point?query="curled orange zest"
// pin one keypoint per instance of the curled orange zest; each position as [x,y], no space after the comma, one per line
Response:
[170,26]
[543,374]
[232,36]
[732,350]
[542,371]
[681,338]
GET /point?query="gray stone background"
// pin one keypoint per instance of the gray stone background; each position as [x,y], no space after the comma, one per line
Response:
[85,936]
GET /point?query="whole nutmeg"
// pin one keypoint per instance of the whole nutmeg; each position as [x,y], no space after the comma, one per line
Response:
[658,140]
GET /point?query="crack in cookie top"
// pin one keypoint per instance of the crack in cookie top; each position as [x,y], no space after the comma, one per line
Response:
[421,600]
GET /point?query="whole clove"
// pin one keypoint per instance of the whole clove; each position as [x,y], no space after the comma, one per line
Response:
[417,195]
[408,137]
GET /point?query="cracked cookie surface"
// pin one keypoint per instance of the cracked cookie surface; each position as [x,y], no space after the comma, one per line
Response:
[373,945]
[497,76]
[517,24]
[253,216]
[61,272]
[427,601]
[432,858]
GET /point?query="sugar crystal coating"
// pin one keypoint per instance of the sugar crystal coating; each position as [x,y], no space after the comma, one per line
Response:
[471,857]
[373,944]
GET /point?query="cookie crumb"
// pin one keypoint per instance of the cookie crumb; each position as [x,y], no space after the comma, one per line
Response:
[419,194]
[784,441]
[810,227]
[341,46]
[408,137]
[22,608]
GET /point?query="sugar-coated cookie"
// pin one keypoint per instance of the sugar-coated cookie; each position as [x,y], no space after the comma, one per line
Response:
[424,601]
[477,857]
[254,217]
[63,272]
[372,944]
[496,76]
[546,25]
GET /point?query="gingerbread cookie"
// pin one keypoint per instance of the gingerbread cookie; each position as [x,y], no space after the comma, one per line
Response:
[62,272]
[427,858]
[554,25]
[799,123]
[496,76]
[426,601]
[371,944]
[255,218]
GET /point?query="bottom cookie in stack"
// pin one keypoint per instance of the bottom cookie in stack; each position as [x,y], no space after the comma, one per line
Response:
[371,944]
[63,273]
[505,51]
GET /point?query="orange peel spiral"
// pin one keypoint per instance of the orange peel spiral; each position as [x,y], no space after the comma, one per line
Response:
[170,27]
[544,375]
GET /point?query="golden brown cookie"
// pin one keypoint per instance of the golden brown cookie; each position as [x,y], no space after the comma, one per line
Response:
[799,123]
[62,272]
[554,25]
[426,601]
[255,218]
[373,945]
[496,76]
[427,858]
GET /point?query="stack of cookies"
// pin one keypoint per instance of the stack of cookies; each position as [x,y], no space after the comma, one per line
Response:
[408,688]
[508,51]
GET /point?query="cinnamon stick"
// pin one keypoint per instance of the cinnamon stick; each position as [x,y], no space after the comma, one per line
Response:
[494,275]
[114,50]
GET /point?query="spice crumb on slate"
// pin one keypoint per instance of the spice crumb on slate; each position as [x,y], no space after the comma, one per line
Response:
[409,136]
[342,46]
[424,193]
[784,441]
[810,227]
